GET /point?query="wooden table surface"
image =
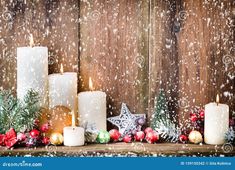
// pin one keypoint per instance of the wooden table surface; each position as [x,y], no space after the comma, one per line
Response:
[123,149]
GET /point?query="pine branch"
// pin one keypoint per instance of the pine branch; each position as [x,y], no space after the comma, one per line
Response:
[230,136]
[16,114]
[8,105]
[161,121]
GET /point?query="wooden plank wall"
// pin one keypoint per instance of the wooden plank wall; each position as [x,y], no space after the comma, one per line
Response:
[204,41]
[131,48]
[53,24]
[163,54]
[114,51]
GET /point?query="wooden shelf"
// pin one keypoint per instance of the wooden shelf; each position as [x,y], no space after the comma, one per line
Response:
[121,149]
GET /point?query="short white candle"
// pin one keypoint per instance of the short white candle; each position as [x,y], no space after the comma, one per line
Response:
[63,90]
[92,108]
[216,122]
[73,135]
[32,71]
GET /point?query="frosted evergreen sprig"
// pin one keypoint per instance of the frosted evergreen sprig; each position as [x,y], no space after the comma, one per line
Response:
[161,120]
[230,136]
[20,115]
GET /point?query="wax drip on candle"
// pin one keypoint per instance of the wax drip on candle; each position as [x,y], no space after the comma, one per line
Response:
[90,84]
[31,42]
[217,99]
[61,69]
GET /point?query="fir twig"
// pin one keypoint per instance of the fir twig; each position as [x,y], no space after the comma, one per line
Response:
[161,121]
[17,114]
[230,136]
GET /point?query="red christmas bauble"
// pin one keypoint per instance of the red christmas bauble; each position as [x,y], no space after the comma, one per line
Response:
[45,127]
[21,137]
[127,139]
[114,134]
[148,129]
[45,140]
[151,137]
[139,136]
[34,133]
[183,138]
[193,117]
[202,114]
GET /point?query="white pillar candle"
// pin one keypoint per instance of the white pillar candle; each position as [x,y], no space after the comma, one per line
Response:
[32,72]
[92,108]
[216,123]
[63,90]
[73,136]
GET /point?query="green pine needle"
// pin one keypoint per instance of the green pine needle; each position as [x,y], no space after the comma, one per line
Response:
[17,114]
[161,121]
[230,136]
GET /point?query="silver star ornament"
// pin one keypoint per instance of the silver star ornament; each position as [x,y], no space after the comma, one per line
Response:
[126,122]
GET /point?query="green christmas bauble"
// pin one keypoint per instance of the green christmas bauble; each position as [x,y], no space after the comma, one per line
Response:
[103,136]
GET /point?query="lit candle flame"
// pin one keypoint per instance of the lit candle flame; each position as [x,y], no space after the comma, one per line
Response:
[90,84]
[217,99]
[61,69]
[31,42]
[73,119]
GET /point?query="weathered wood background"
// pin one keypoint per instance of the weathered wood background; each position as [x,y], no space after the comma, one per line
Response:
[130,48]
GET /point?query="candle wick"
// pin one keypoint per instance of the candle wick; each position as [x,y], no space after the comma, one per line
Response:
[61,69]
[217,99]
[31,42]
[73,119]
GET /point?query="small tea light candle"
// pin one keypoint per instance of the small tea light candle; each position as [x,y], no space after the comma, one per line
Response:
[73,135]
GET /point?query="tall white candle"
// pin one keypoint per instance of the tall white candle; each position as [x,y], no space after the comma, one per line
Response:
[32,72]
[92,108]
[63,90]
[216,122]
